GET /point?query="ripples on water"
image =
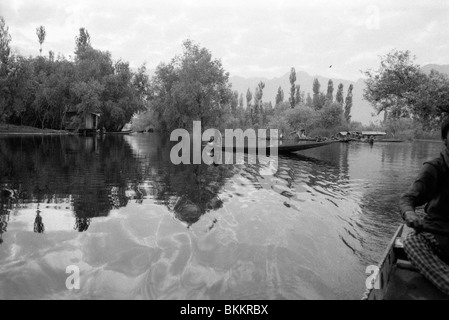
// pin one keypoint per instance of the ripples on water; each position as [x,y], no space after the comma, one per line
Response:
[140,227]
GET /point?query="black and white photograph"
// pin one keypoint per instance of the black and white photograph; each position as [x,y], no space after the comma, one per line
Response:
[224,155]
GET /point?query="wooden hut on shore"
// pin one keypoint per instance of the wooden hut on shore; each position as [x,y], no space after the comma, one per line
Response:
[82,123]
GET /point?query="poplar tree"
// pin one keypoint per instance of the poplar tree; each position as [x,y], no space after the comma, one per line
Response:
[339,97]
[317,100]
[348,104]
[330,92]
[40,32]
[249,97]
[241,100]
[293,87]
[297,94]
[309,101]
[279,96]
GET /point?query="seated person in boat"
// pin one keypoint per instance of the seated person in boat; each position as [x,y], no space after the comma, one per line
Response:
[427,251]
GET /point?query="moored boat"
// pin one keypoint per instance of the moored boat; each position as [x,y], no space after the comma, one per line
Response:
[282,148]
[120,132]
[397,278]
[390,140]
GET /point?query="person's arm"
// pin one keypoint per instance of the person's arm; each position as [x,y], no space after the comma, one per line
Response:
[419,193]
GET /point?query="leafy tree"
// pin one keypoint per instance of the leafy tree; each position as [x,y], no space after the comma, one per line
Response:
[258,110]
[241,100]
[309,101]
[120,100]
[5,50]
[330,92]
[51,56]
[348,104]
[40,91]
[401,125]
[292,88]
[18,88]
[279,96]
[297,94]
[87,96]
[431,102]
[317,100]
[234,102]
[331,116]
[141,83]
[249,97]
[279,120]
[194,86]
[394,84]
[339,97]
[82,41]
[301,118]
[41,33]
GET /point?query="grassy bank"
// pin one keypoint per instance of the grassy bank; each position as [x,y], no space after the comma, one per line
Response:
[7,129]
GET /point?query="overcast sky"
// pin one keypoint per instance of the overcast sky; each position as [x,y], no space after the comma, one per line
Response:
[255,38]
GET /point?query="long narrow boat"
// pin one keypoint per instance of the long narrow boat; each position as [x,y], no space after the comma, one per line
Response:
[120,132]
[398,279]
[284,148]
[389,140]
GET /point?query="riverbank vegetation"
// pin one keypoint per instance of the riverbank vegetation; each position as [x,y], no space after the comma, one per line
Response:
[194,86]
[41,91]
[15,129]
[413,103]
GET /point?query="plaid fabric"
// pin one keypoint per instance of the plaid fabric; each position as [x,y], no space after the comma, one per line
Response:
[423,251]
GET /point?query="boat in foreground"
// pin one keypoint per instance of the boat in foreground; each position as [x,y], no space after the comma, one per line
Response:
[398,279]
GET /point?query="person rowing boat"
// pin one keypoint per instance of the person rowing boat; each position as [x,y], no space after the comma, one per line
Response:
[429,252]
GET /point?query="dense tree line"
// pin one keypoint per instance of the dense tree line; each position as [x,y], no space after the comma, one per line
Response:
[194,86]
[40,91]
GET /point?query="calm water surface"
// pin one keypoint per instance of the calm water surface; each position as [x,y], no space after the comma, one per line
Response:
[139,227]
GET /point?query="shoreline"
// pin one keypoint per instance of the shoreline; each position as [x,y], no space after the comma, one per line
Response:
[428,140]
[14,130]
[37,134]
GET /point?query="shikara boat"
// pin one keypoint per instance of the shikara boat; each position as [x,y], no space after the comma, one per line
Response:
[120,132]
[283,148]
[390,140]
[398,279]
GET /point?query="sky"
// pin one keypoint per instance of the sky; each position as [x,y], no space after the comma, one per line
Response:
[253,38]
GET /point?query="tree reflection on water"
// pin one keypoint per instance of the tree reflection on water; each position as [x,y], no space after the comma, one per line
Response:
[86,176]
[90,176]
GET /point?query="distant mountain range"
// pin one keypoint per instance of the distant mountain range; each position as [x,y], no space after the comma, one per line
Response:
[361,111]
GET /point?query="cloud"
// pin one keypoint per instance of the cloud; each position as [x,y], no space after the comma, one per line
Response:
[253,38]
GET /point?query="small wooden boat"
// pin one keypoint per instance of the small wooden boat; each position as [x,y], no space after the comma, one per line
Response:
[398,279]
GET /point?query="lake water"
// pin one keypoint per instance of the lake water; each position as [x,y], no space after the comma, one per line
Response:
[139,227]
